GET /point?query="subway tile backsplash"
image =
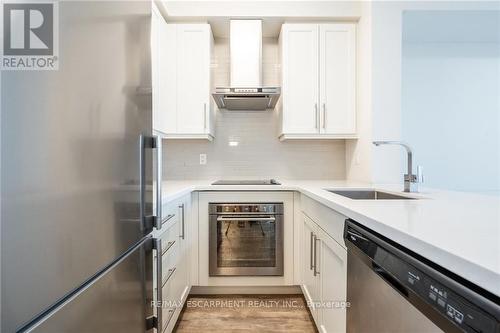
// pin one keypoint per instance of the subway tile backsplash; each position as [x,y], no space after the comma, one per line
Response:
[259,153]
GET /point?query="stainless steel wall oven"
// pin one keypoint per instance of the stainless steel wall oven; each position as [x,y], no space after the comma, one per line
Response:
[246,239]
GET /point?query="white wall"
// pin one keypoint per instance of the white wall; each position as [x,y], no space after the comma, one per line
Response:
[450,96]
[387,161]
[359,152]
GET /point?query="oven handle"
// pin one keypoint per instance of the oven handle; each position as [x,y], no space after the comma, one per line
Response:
[248,218]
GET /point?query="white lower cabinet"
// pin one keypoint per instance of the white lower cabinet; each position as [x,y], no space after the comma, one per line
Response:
[332,270]
[172,277]
[310,280]
[324,277]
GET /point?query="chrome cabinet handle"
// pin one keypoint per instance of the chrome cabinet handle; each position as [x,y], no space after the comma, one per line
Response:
[159,285]
[169,275]
[171,314]
[181,207]
[169,245]
[205,115]
[168,218]
[311,266]
[316,271]
[316,116]
[324,115]
[223,218]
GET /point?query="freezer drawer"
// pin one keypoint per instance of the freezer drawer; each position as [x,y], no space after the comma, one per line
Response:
[174,293]
[114,302]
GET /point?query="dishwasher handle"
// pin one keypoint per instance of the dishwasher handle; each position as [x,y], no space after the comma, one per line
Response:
[387,277]
[366,246]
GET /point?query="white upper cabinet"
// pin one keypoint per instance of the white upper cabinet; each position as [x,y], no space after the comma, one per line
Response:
[318,81]
[337,78]
[182,104]
[157,23]
[300,78]
[164,97]
[194,44]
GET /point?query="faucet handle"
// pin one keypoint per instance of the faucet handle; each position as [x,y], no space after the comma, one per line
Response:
[420,174]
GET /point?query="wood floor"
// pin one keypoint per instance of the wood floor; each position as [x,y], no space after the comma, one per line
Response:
[245,313]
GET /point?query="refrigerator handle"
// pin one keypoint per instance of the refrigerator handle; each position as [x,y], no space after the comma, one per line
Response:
[159,167]
[149,221]
[142,180]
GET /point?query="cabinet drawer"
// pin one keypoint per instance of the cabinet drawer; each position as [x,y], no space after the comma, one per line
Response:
[326,218]
[173,294]
[170,233]
[169,260]
[169,302]
[170,214]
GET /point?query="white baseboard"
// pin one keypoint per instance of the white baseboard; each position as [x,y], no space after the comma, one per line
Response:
[244,290]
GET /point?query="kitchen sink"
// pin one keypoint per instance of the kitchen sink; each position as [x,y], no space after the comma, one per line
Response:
[370,195]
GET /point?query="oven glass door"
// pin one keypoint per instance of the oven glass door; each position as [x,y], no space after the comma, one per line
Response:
[246,245]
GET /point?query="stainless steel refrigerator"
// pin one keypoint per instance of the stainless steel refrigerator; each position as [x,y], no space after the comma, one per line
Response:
[77,178]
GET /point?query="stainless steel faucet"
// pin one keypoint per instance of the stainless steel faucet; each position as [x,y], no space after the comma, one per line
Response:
[410,180]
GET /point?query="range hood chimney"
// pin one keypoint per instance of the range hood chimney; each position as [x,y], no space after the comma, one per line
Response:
[245,43]
[246,91]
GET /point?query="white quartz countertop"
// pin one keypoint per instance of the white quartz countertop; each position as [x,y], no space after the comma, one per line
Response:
[456,230]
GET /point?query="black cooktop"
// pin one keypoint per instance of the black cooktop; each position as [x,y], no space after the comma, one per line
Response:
[247,182]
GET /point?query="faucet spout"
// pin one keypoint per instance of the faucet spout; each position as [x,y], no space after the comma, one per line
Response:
[410,180]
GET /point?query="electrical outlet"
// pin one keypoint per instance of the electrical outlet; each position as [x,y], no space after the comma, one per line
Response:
[203,159]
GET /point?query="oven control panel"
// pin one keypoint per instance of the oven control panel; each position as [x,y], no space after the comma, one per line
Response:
[237,208]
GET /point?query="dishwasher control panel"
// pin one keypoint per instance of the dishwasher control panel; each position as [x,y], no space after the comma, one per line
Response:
[450,305]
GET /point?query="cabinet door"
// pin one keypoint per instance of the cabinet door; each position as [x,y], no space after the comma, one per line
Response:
[155,28]
[333,284]
[337,54]
[167,118]
[310,281]
[300,79]
[163,73]
[193,78]
[175,262]
[185,241]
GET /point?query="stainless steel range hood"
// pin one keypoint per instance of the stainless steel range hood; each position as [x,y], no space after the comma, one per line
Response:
[254,99]
[246,91]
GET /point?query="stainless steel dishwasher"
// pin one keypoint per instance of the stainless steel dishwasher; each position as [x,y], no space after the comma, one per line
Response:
[392,289]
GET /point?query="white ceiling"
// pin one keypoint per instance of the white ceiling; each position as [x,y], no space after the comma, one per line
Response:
[273,13]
